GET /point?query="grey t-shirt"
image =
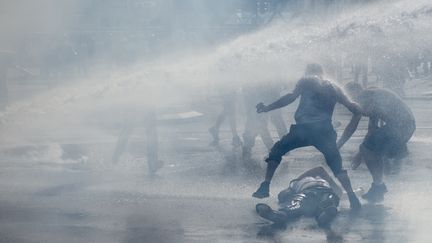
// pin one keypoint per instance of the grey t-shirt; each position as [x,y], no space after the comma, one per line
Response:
[387,106]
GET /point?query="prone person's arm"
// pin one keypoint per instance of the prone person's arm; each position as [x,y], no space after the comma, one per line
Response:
[321,172]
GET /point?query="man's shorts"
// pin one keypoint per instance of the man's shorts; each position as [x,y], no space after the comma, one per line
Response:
[388,141]
[321,135]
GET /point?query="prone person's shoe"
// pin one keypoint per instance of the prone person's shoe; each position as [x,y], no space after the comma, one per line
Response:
[268,213]
[263,190]
[326,216]
[375,193]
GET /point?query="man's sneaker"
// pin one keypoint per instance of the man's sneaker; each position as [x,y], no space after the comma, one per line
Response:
[236,141]
[355,204]
[266,212]
[375,193]
[263,190]
[326,216]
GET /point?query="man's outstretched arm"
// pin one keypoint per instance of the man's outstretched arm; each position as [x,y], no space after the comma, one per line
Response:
[283,101]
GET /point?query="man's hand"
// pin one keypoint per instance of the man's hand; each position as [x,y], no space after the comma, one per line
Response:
[260,108]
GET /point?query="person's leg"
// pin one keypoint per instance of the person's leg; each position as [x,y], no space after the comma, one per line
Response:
[333,158]
[152,143]
[287,143]
[122,141]
[265,211]
[291,212]
[214,130]
[374,163]
[327,207]
[236,141]
[249,135]
[231,113]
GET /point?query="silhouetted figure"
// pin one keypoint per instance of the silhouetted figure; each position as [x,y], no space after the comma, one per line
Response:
[257,124]
[313,127]
[152,141]
[229,102]
[386,141]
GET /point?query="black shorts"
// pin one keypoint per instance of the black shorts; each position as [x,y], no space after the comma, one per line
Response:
[321,135]
[389,141]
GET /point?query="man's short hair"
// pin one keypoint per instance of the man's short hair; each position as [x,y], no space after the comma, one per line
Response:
[353,88]
[314,69]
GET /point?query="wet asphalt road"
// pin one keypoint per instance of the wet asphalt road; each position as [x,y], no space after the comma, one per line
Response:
[201,195]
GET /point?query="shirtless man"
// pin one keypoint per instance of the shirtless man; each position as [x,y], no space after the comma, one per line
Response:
[387,141]
[313,127]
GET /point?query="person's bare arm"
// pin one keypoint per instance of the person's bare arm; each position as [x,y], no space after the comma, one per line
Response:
[355,119]
[283,101]
[349,130]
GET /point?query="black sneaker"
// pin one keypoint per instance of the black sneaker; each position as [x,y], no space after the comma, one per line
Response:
[375,193]
[268,213]
[263,190]
[326,216]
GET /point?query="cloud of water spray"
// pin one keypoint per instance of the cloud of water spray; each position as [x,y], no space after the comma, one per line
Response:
[279,51]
